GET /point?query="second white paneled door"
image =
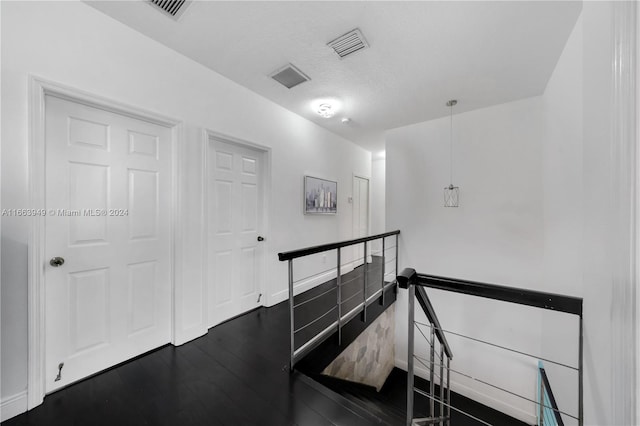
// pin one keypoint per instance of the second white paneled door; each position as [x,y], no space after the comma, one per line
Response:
[107,239]
[360,215]
[235,206]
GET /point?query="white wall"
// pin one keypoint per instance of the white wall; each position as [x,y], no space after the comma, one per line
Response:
[378,169]
[494,236]
[536,211]
[563,212]
[75,45]
[598,216]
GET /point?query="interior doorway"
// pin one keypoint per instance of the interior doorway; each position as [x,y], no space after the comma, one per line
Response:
[360,215]
[235,220]
[107,238]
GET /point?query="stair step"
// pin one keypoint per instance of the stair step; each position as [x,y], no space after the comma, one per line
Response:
[423,421]
[367,397]
[388,405]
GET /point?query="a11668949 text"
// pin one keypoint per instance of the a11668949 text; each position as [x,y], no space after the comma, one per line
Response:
[64,212]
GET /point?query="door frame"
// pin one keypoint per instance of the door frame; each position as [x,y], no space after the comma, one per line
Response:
[354,262]
[39,88]
[353,187]
[624,186]
[211,135]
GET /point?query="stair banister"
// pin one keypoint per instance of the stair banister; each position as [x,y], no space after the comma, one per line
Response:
[342,315]
[415,283]
[408,279]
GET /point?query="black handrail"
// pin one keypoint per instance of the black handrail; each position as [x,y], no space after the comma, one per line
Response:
[409,276]
[424,301]
[552,399]
[288,255]
[539,299]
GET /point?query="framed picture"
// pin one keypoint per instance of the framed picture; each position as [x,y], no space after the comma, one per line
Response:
[320,196]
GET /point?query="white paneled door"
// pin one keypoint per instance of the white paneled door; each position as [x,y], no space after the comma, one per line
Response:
[360,214]
[235,185]
[108,239]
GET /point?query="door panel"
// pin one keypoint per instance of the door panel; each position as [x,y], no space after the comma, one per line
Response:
[109,201]
[88,186]
[249,207]
[89,310]
[235,221]
[142,144]
[142,279]
[248,279]
[143,204]
[360,215]
[223,267]
[88,134]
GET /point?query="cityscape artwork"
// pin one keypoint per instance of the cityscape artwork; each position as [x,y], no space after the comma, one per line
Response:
[320,196]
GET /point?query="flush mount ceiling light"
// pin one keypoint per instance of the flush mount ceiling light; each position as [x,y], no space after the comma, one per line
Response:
[326,108]
[451,193]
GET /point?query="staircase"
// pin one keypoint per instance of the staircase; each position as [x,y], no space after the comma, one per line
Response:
[390,404]
[327,320]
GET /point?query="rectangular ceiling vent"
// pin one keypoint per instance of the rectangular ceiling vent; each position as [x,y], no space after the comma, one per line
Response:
[173,8]
[289,76]
[349,43]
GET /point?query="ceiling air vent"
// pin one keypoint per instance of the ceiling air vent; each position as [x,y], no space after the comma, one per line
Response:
[173,8]
[349,43]
[289,76]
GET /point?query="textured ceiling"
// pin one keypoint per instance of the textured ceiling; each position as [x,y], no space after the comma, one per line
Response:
[421,53]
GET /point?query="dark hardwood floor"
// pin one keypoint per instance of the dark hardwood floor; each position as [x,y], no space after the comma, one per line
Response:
[232,376]
[236,375]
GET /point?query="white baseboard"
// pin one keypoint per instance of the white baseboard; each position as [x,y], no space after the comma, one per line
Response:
[13,405]
[309,283]
[475,395]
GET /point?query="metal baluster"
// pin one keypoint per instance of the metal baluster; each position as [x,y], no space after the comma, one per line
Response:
[541,406]
[291,319]
[364,286]
[396,254]
[448,391]
[432,385]
[339,297]
[383,266]
[410,344]
[441,384]
[580,377]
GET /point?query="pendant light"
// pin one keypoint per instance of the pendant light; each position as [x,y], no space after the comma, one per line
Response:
[451,193]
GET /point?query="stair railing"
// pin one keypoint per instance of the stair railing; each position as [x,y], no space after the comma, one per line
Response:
[357,278]
[406,280]
[416,282]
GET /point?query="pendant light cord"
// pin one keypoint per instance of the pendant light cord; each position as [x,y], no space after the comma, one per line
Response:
[451,146]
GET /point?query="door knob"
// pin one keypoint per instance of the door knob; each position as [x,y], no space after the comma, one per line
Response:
[56,261]
[260,238]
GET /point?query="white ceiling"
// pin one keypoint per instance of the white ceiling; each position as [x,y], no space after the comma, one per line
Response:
[422,53]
